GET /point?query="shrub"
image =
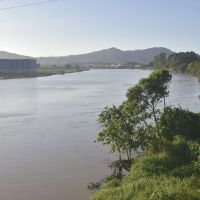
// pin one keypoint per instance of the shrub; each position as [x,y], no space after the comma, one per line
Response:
[154,188]
[177,121]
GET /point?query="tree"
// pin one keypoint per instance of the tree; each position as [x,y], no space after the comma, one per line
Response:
[149,92]
[179,61]
[160,61]
[194,68]
[170,136]
[121,130]
[177,121]
[128,127]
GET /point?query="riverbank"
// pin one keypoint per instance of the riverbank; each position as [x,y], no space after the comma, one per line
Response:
[169,166]
[41,72]
[182,62]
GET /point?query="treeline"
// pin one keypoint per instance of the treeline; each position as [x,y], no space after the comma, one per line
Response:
[158,146]
[186,62]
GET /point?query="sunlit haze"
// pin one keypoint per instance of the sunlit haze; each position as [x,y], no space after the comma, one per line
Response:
[66,27]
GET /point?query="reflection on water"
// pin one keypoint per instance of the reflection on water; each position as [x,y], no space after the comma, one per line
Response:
[48,126]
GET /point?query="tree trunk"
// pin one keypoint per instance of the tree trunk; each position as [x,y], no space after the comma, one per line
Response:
[156,121]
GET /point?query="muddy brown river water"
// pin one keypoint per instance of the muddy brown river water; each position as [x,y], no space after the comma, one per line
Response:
[48,125]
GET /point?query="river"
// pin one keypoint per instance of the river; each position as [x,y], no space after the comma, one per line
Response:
[48,125]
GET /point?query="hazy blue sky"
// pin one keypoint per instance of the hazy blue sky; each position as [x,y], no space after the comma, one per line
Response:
[77,26]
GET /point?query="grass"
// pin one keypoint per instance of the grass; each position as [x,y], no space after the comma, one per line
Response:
[153,188]
[155,178]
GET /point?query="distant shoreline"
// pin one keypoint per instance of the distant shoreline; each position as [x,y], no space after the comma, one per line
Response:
[39,73]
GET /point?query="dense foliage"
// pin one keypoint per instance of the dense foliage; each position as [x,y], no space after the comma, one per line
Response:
[187,62]
[168,139]
[194,68]
[160,61]
[180,61]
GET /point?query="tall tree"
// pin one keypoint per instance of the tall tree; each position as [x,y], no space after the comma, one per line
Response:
[122,130]
[128,127]
[151,91]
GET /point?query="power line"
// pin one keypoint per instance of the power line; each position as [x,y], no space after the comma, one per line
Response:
[25,5]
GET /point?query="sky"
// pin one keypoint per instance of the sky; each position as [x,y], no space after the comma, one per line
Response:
[66,27]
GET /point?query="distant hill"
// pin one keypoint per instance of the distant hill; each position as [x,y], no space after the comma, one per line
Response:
[7,55]
[111,55]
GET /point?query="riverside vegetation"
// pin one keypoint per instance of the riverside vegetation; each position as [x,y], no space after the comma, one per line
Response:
[184,62]
[45,70]
[158,146]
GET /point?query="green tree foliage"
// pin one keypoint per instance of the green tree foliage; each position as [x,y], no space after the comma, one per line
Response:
[149,92]
[186,62]
[177,121]
[160,61]
[121,131]
[170,139]
[194,68]
[125,128]
[180,61]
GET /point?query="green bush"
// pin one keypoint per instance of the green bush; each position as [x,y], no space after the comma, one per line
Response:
[183,171]
[169,168]
[156,177]
[177,121]
[154,188]
[153,166]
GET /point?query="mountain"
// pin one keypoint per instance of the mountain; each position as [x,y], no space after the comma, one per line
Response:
[7,55]
[111,55]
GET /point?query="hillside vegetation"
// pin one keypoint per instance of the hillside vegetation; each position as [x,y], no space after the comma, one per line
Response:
[158,146]
[111,56]
[186,62]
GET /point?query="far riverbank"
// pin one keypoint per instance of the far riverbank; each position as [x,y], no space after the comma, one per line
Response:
[41,72]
